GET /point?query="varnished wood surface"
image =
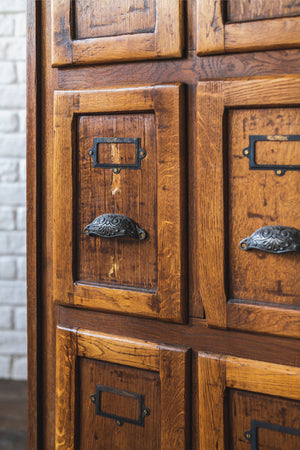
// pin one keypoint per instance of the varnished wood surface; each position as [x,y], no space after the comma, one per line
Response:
[257,198]
[99,19]
[242,10]
[195,335]
[215,193]
[171,363]
[164,40]
[189,70]
[217,374]
[97,432]
[244,406]
[215,35]
[168,300]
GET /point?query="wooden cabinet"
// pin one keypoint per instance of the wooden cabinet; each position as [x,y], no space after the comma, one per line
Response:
[163,224]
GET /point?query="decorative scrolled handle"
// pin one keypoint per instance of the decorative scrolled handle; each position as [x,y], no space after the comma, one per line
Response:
[115,225]
[273,239]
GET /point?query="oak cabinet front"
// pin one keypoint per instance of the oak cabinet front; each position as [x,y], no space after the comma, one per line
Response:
[133,30]
[243,25]
[114,392]
[247,404]
[118,201]
[248,173]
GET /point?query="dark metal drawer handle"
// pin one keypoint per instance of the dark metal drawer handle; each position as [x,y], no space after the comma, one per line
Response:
[115,225]
[273,239]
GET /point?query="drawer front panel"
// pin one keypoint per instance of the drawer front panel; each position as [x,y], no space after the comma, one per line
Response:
[119,425]
[98,19]
[242,11]
[133,30]
[243,26]
[113,391]
[123,262]
[248,175]
[264,421]
[247,404]
[259,198]
[119,201]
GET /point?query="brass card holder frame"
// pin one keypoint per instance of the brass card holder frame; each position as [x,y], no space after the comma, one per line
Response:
[140,153]
[279,169]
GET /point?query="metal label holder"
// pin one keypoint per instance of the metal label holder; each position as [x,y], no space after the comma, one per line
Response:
[255,424]
[120,420]
[140,153]
[279,169]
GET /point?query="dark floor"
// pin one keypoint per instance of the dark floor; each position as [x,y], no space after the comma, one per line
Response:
[13,435]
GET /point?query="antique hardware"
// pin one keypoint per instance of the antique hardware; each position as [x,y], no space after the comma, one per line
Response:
[251,435]
[279,169]
[140,153]
[115,225]
[273,239]
[143,411]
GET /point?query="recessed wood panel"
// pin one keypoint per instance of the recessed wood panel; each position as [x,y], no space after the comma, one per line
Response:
[273,419]
[244,10]
[257,198]
[123,262]
[235,392]
[98,18]
[237,26]
[122,30]
[97,432]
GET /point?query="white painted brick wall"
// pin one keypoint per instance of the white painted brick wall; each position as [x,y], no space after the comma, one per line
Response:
[12,190]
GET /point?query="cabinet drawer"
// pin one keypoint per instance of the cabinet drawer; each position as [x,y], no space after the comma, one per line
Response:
[119,201]
[260,400]
[243,25]
[248,174]
[131,30]
[112,392]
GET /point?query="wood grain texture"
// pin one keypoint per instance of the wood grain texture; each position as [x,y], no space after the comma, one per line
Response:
[98,432]
[257,198]
[217,373]
[117,262]
[244,406]
[212,170]
[211,386]
[168,301]
[187,70]
[100,19]
[66,350]
[175,380]
[33,214]
[216,36]
[166,40]
[171,363]
[209,242]
[195,334]
[241,11]
[210,28]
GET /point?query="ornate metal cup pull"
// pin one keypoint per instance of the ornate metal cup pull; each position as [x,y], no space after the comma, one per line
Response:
[115,225]
[273,239]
